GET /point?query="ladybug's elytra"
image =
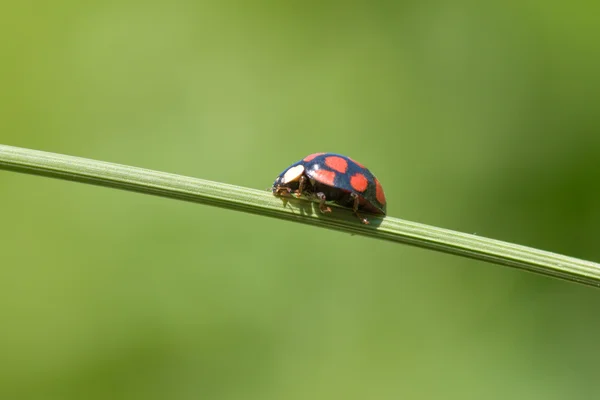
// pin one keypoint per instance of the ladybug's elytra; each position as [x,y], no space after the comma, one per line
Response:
[336,178]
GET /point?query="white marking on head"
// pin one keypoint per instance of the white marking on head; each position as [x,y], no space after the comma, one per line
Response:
[293,174]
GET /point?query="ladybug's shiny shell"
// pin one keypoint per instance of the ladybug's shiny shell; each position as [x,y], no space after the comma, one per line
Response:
[336,178]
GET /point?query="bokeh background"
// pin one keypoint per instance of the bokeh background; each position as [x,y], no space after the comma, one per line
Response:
[481,117]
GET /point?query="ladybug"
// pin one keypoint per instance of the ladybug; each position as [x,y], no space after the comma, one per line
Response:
[336,178]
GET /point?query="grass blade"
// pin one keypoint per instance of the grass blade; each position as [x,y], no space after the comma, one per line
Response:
[264,203]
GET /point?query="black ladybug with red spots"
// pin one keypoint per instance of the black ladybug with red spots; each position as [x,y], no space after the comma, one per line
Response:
[336,178]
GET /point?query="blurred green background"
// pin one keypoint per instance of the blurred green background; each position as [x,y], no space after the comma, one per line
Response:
[477,116]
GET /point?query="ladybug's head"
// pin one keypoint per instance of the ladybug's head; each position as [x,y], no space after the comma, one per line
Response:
[290,178]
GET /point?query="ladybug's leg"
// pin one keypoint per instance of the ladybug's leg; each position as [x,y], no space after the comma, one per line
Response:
[302,182]
[322,206]
[355,209]
[281,190]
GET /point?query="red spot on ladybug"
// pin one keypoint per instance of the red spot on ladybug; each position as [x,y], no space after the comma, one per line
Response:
[312,157]
[329,177]
[359,182]
[379,192]
[337,163]
[324,176]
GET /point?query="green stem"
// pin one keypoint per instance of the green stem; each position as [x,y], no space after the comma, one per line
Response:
[264,203]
